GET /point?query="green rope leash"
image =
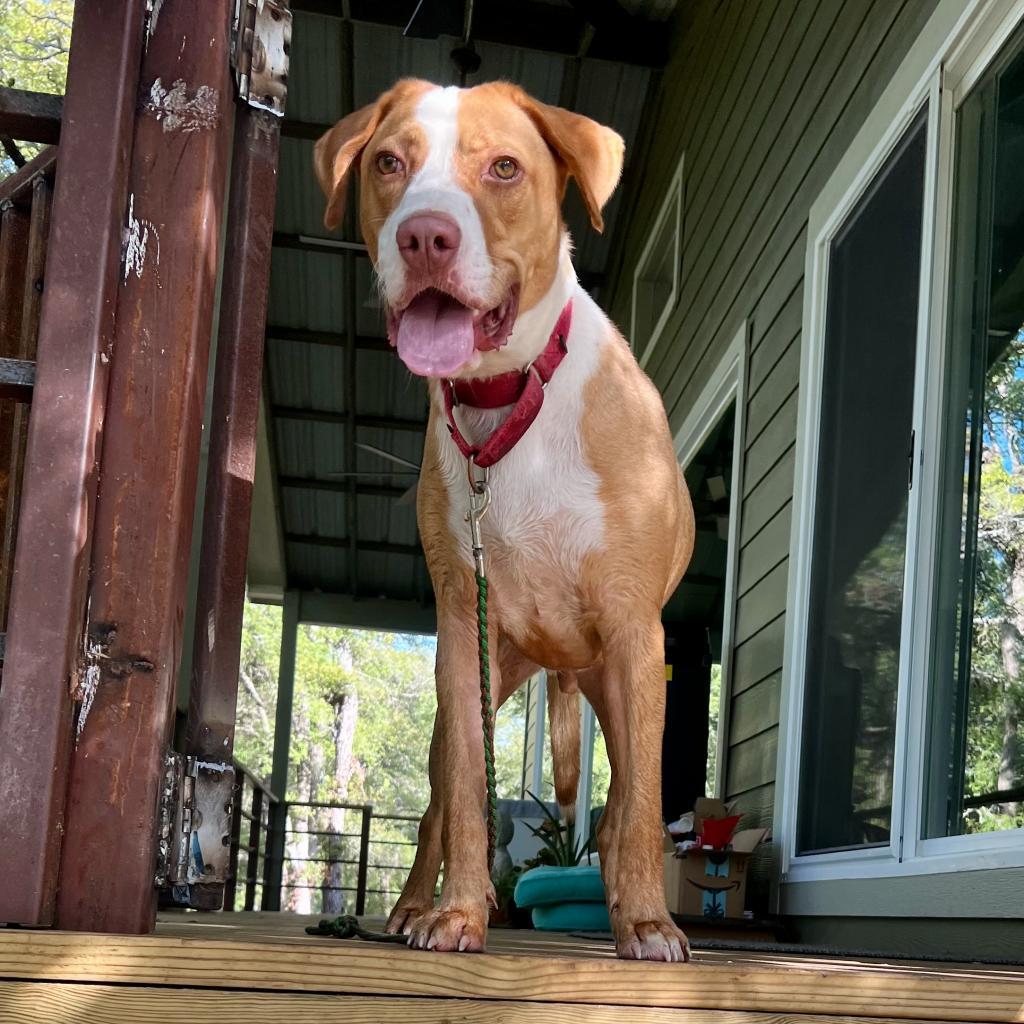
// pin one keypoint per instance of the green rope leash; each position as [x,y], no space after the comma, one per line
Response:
[487,718]
[347,927]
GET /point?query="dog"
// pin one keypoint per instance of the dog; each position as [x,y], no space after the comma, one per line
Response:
[590,526]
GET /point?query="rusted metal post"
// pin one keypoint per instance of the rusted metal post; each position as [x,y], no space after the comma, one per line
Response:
[52,560]
[232,460]
[150,461]
[274,866]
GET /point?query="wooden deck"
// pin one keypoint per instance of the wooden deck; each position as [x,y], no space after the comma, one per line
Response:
[262,968]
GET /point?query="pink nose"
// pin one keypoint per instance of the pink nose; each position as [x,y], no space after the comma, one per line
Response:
[429,242]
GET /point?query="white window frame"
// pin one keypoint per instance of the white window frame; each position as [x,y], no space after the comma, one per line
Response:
[952,52]
[728,383]
[671,206]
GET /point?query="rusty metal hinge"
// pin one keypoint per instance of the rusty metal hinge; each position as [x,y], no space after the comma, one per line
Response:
[261,36]
[194,840]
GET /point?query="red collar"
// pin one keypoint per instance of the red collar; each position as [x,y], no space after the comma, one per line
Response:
[522,389]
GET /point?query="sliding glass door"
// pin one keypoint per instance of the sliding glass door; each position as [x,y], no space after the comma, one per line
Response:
[975,768]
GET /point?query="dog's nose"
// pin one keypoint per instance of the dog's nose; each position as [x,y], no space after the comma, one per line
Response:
[428,242]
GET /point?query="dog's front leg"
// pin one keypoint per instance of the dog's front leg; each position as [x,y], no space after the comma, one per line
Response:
[633,691]
[460,920]
[417,896]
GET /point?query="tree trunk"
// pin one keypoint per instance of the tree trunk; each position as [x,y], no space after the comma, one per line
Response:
[346,714]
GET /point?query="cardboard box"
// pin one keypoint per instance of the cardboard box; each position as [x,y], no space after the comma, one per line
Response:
[705,882]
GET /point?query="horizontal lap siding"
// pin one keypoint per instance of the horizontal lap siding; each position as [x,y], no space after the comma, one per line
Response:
[764,98]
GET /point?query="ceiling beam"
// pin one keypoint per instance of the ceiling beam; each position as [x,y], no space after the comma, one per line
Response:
[319,244]
[336,339]
[395,616]
[527,24]
[289,412]
[307,483]
[380,547]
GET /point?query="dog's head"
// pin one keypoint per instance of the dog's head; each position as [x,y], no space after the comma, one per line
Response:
[460,197]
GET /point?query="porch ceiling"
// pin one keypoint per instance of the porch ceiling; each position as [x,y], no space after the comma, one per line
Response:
[308,504]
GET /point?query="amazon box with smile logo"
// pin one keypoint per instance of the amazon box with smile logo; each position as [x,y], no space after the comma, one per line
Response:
[710,880]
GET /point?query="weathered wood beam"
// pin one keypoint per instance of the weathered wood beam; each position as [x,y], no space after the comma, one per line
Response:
[151,442]
[76,333]
[30,116]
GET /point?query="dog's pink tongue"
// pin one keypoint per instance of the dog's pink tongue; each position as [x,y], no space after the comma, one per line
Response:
[435,335]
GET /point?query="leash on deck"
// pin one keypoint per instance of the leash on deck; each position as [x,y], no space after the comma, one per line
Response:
[347,927]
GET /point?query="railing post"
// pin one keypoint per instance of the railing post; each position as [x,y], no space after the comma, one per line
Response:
[236,837]
[364,859]
[252,863]
[274,867]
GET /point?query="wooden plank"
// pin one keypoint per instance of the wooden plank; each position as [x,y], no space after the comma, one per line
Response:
[752,763]
[766,550]
[770,984]
[764,451]
[782,378]
[29,1003]
[774,337]
[759,656]
[765,500]
[755,709]
[762,603]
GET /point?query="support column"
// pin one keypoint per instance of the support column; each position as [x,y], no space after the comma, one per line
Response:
[51,562]
[145,507]
[273,868]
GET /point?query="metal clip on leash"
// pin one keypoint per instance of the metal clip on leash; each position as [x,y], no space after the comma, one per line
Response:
[479,502]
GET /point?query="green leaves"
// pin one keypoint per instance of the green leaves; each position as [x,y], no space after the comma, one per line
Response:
[559,838]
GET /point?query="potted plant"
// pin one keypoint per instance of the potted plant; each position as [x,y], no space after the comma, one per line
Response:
[562,893]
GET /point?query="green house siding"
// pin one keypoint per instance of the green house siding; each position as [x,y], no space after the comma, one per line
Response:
[763,98]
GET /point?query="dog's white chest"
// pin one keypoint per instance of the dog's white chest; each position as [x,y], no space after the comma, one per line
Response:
[545,501]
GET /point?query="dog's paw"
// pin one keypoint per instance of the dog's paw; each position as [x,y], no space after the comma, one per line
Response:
[652,940]
[450,931]
[405,915]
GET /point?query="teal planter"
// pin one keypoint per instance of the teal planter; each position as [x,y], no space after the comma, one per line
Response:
[564,899]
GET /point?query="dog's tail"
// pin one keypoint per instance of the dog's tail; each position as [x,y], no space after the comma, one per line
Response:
[564,719]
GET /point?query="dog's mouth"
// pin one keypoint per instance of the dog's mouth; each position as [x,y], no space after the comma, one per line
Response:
[437,335]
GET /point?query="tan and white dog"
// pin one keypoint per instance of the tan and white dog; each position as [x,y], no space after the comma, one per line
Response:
[590,525]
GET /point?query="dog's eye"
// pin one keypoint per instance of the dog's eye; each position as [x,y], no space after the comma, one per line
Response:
[388,163]
[505,169]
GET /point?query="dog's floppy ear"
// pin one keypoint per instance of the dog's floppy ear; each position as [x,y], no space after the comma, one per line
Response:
[592,153]
[338,149]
